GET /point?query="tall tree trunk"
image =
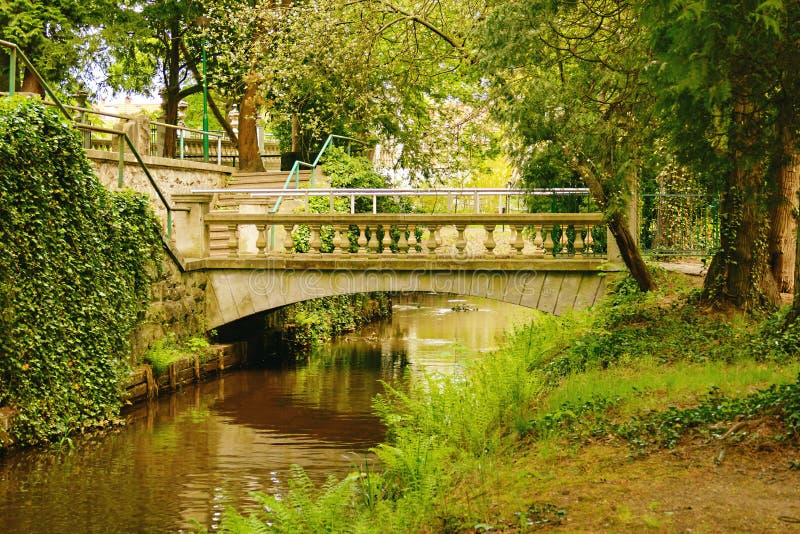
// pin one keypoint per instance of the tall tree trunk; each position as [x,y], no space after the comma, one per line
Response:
[170,117]
[30,83]
[794,313]
[172,87]
[620,228]
[296,134]
[249,155]
[783,230]
[739,274]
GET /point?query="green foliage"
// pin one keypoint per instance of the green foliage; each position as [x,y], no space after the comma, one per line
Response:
[51,33]
[665,428]
[443,425]
[309,324]
[74,275]
[592,375]
[167,350]
[304,509]
[349,172]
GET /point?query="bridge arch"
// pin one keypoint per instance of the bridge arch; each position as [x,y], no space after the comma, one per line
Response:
[233,294]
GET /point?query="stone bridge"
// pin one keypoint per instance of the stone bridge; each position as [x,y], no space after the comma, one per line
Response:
[551,262]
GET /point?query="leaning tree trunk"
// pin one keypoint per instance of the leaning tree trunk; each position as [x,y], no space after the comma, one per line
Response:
[620,228]
[249,155]
[739,274]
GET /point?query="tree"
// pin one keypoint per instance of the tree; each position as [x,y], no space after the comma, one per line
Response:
[145,40]
[53,34]
[565,79]
[380,70]
[719,70]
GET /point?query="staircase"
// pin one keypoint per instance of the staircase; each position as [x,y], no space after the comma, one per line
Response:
[233,201]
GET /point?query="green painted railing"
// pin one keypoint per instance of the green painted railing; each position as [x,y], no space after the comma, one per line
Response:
[16,54]
[294,174]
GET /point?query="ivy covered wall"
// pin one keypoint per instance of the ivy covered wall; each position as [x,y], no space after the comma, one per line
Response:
[75,267]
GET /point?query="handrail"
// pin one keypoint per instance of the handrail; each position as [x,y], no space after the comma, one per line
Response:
[157,123]
[295,171]
[333,192]
[122,135]
[12,66]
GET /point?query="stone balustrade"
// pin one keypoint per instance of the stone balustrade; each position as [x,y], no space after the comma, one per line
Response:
[542,235]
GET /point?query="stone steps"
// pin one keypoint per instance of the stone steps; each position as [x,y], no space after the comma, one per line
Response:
[218,234]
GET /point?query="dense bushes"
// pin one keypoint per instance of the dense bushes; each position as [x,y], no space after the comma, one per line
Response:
[74,263]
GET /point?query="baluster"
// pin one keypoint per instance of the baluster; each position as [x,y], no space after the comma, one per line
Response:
[589,241]
[431,242]
[314,243]
[548,241]
[564,241]
[233,240]
[488,242]
[373,241]
[402,242]
[362,239]
[341,245]
[261,240]
[387,240]
[288,242]
[412,239]
[519,242]
[461,243]
[578,243]
[538,241]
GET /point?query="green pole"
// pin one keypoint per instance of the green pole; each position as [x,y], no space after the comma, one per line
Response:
[12,70]
[121,169]
[205,103]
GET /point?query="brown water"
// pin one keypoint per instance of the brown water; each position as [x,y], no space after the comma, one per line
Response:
[189,455]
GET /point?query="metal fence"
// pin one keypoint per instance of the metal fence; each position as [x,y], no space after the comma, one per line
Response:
[680,224]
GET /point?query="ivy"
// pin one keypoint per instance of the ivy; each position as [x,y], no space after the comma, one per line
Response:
[75,267]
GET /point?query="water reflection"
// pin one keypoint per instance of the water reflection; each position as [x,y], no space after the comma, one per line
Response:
[187,456]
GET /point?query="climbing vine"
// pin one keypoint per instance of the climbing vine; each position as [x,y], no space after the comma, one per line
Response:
[75,267]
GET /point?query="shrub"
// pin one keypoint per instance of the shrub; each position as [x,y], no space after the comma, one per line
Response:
[74,264]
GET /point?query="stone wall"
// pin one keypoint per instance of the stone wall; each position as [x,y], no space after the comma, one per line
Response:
[172,176]
[177,306]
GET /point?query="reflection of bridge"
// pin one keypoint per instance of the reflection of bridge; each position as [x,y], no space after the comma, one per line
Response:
[551,262]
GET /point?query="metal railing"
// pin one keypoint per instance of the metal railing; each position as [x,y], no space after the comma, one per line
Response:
[294,173]
[17,54]
[680,224]
[471,196]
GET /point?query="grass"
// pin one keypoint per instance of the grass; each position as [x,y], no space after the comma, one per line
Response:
[168,349]
[646,386]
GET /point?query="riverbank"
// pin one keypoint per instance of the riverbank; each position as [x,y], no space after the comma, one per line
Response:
[649,411]
[186,455]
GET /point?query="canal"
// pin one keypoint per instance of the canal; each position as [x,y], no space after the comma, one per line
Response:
[186,456]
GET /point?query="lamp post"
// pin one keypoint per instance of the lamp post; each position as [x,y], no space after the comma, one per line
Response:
[203,22]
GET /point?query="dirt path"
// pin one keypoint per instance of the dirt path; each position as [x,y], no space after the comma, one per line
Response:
[752,486]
